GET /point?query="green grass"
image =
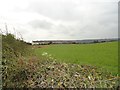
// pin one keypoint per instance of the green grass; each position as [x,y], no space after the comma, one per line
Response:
[103,55]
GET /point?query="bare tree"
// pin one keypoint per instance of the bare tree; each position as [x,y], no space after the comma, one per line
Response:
[6,28]
[1,31]
[15,32]
[20,36]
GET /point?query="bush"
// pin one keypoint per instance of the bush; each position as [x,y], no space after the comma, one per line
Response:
[12,45]
[12,50]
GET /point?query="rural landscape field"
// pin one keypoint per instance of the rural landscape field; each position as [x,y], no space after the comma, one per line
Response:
[93,65]
[103,55]
[59,44]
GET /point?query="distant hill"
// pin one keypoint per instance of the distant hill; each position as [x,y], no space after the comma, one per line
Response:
[44,42]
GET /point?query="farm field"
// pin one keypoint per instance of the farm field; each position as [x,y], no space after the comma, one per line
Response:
[103,55]
[57,66]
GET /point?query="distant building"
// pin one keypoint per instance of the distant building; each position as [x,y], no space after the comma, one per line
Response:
[40,42]
[47,42]
[52,42]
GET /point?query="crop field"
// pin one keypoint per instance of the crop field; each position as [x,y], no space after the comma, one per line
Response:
[103,55]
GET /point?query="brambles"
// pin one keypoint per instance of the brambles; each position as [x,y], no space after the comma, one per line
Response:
[13,47]
[51,74]
[12,50]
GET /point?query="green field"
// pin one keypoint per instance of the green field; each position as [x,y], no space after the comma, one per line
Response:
[103,55]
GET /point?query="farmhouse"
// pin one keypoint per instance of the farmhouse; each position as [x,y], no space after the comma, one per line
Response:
[40,42]
[47,42]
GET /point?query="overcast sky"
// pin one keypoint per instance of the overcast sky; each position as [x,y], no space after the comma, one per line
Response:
[60,19]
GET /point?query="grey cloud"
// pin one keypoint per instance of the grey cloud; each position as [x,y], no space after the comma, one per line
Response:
[92,20]
[59,10]
[41,24]
[55,9]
